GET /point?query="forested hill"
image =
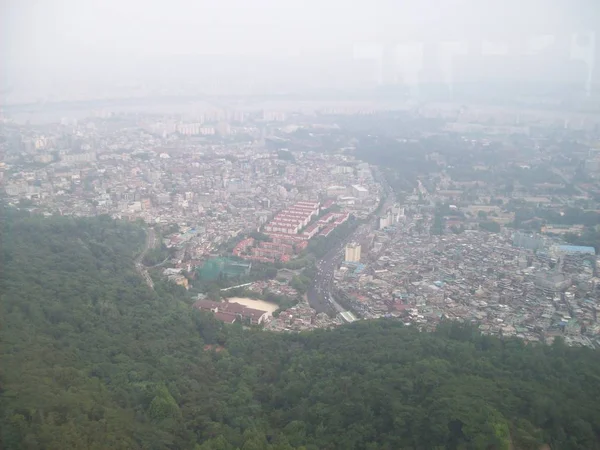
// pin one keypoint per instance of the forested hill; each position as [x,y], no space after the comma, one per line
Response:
[91,358]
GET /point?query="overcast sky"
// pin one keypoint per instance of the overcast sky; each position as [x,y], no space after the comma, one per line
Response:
[49,29]
[50,39]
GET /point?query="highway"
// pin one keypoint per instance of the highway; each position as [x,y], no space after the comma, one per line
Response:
[319,293]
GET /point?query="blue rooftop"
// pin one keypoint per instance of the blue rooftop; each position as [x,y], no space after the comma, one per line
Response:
[577,249]
[358,267]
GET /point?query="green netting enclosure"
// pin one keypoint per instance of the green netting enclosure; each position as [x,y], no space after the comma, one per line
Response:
[215,267]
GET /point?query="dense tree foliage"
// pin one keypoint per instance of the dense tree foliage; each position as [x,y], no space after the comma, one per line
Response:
[285,155]
[493,227]
[93,359]
[257,235]
[571,216]
[157,255]
[590,237]
[404,159]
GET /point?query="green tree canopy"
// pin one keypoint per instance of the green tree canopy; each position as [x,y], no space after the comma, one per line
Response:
[92,358]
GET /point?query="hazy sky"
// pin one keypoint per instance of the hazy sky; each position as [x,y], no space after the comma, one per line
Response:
[67,28]
[47,40]
[58,30]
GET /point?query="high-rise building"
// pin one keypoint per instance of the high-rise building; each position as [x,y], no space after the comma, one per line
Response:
[352,252]
[385,221]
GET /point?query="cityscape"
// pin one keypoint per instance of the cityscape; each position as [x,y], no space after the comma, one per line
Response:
[247,203]
[315,225]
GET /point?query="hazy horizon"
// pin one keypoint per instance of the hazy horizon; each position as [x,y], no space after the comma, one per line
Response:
[67,49]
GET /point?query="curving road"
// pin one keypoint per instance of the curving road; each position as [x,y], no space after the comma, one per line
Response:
[139,265]
[319,293]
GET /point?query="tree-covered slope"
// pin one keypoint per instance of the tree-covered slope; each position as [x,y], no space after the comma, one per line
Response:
[86,346]
[91,358]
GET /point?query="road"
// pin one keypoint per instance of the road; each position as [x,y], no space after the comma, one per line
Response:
[139,265]
[319,293]
[565,180]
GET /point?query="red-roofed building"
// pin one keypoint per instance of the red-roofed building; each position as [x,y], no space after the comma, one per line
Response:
[312,230]
[226,317]
[229,312]
[341,218]
[280,247]
[242,246]
[301,246]
[327,218]
[327,231]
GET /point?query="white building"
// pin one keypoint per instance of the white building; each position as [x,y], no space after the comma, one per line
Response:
[352,252]
[359,191]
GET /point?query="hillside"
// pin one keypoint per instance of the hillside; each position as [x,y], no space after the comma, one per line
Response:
[91,358]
